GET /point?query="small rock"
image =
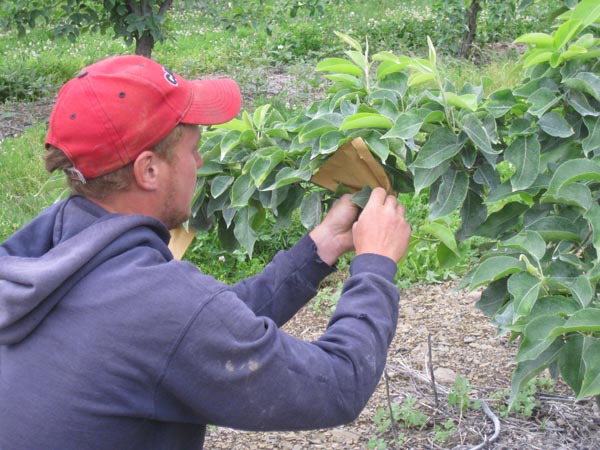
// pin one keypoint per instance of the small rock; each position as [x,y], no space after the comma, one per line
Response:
[444,376]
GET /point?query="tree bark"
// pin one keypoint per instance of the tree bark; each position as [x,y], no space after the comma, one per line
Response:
[144,45]
[470,32]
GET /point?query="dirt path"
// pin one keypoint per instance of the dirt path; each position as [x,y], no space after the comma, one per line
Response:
[463,343]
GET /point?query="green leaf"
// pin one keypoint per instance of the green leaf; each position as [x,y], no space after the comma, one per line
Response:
[426,177]
[419,78]
[525,289]
[311,210]
[537,337]
[500,102]
[366,120]
[495,268]
[574,194]
[451,194]
[339,65]
[554,228]
[593,217]
[528,242]
[555,125]
[478,134]
[465,101]
[565,32]
[379,146]
[591,143]
[541,101]
[361,197]
[243,232]
[541,40]
[574,170]
[472,214]
[591,357]
[330,142]
[265,163]
[524,154]
[582,290]
[242,190]
[289,175]
[526,370]
[585,82]
[350,41]
[442,232]
[315,129]
[501,221]
[220,184]
[260,115]
[441,146]
[229,142]
[571,362]
[586,320]
[407,125]
[581,104]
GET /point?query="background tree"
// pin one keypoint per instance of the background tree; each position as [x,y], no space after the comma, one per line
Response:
[139,21]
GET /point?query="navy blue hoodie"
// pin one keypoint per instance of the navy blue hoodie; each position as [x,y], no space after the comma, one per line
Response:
[107,342]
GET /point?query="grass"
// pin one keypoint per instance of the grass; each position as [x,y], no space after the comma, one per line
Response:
[36,65]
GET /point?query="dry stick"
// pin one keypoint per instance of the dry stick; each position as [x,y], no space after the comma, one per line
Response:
[430,364]
[389,403]
[488,412]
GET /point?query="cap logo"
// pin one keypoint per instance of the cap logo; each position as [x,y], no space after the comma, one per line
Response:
[169,76]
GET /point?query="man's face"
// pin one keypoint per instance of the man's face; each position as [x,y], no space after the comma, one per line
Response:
[181,183]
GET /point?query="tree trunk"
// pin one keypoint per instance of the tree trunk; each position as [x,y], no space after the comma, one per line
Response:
[144,45]
[469,36]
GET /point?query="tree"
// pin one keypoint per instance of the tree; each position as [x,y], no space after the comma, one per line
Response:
[139,21]
[520,167]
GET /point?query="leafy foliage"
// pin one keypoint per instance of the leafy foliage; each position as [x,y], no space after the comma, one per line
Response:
[141,21]
[541,217]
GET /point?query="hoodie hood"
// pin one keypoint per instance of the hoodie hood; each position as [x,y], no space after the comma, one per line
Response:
[41,262]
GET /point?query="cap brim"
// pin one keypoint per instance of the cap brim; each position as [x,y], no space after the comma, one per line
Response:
[214,101]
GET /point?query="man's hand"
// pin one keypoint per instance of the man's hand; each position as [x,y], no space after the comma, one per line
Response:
[382,228]
[333,236]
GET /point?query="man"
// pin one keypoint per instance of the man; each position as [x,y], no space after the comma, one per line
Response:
[107,342]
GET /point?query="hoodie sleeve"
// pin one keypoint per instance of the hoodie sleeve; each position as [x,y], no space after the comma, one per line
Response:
[286,284]
[233,368]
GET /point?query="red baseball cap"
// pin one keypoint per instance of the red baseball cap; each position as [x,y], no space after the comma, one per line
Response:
[120,106]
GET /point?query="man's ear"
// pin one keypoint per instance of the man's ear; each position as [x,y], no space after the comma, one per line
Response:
[146,169]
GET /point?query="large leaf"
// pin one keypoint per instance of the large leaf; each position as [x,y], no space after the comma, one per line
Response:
[525,289]
[243,231]
[441,146]
[339,65]
[478,134]
[426,177]
[311,210]
[220,184]
[591,358]
[537,337]
[582,290]
[495,268]
[242,190]
[443,233]
[591,143]
[472,214]
[593,217]
[571,362]
[587,82]
[500,102]
[501,221]
[555,125]
[264,164]
[451,194]
[526,370]
[586,320]
[366,120]
[572,171]
[524,154]
[528,242]
[408,124]
[554,228]
[541,101]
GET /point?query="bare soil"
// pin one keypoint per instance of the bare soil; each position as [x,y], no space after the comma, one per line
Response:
[462,343]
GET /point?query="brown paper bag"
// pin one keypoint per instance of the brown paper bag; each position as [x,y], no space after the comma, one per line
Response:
[181,238]
[353,166]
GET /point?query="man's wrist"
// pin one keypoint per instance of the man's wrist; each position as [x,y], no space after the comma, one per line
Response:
[327,247]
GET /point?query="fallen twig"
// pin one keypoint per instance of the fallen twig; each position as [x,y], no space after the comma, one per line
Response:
[430,364]
[488,412]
